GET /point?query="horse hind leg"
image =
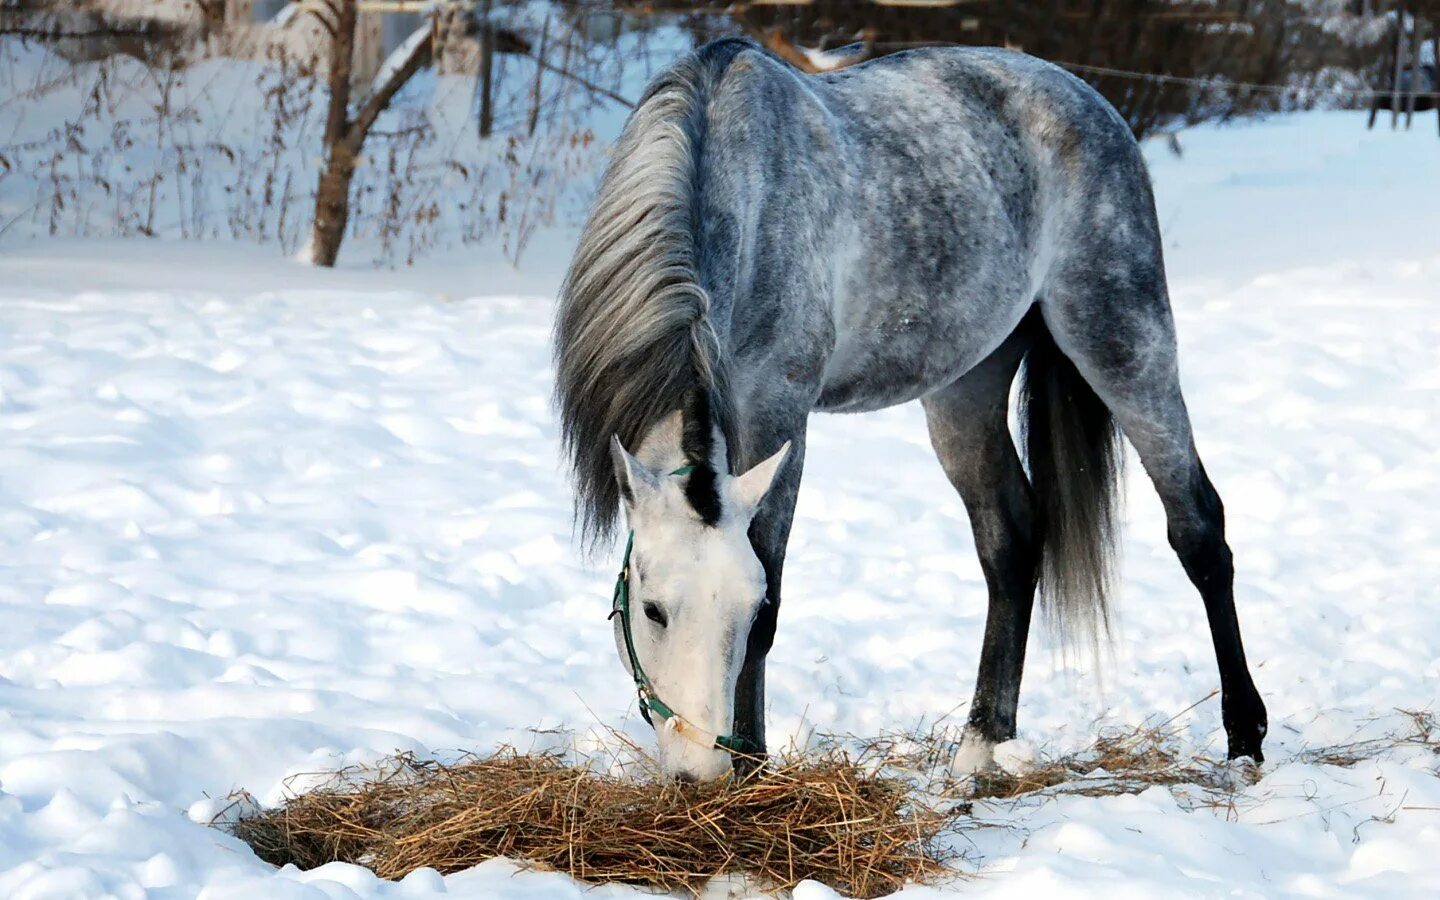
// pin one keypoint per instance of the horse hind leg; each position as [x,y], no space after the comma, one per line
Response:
[971,436]
[1118,330]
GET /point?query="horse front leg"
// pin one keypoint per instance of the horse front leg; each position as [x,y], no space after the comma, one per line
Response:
[769,533]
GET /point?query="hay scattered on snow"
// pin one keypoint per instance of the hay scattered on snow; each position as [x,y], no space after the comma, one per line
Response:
[1122,762]
[1134,760]
[866,825]
[821,818]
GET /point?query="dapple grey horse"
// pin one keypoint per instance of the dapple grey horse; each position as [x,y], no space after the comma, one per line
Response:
[766,244]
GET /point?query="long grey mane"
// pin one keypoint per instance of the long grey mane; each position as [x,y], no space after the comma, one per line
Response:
[633,338]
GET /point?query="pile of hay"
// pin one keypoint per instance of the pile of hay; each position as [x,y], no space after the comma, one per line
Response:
[824,818]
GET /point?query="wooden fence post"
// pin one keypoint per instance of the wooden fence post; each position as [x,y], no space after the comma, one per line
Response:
[1418,41]
[1401,40]
[487,66]
[1435,80]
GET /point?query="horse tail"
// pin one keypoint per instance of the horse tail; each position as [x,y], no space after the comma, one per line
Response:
[633,337]
[1075,458]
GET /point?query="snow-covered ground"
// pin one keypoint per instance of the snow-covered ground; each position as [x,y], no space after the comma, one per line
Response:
[259,520]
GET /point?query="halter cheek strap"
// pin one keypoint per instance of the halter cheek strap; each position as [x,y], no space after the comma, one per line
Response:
[650,702]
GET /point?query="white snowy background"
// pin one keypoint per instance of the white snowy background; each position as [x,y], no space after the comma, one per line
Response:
[258,520]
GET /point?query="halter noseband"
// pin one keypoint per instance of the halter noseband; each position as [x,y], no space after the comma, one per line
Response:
[650,702]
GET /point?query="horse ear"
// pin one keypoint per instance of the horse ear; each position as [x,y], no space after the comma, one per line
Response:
[636,481]
[750,488]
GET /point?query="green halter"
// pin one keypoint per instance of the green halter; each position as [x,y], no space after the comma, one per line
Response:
[650,702]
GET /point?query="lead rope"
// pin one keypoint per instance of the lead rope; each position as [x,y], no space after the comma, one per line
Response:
[650,702]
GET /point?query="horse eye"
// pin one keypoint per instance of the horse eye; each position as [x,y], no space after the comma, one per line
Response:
[654,614]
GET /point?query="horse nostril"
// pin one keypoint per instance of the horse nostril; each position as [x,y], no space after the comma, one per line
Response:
[687,777]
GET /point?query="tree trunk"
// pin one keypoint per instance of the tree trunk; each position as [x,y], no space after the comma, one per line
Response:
[332,194]
[345,136]
[332,205]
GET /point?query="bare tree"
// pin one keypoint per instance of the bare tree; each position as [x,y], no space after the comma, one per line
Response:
[345,132]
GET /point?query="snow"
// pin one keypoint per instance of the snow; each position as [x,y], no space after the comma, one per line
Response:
[261,521]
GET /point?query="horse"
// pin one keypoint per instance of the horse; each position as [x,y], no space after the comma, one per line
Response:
[765,244]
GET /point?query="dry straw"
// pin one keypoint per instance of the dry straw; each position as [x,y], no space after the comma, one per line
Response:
[822,818]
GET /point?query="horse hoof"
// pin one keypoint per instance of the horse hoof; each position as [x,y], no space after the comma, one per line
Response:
[1246,745]
[1245,726]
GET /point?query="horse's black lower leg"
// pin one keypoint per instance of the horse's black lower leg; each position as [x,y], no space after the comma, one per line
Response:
[1009,550]
[769,533]
[1197,533]
[969,430]
[750,689]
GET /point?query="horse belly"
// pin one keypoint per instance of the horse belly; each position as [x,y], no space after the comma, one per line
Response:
[924,287]
[904,357]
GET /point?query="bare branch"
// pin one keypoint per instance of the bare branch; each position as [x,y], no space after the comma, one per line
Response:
[419,51]
[585,83]
[317,9]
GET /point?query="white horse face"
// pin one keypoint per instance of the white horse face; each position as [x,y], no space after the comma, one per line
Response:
[694,592]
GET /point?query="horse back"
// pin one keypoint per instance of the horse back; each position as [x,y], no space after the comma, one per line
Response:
[879,230]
